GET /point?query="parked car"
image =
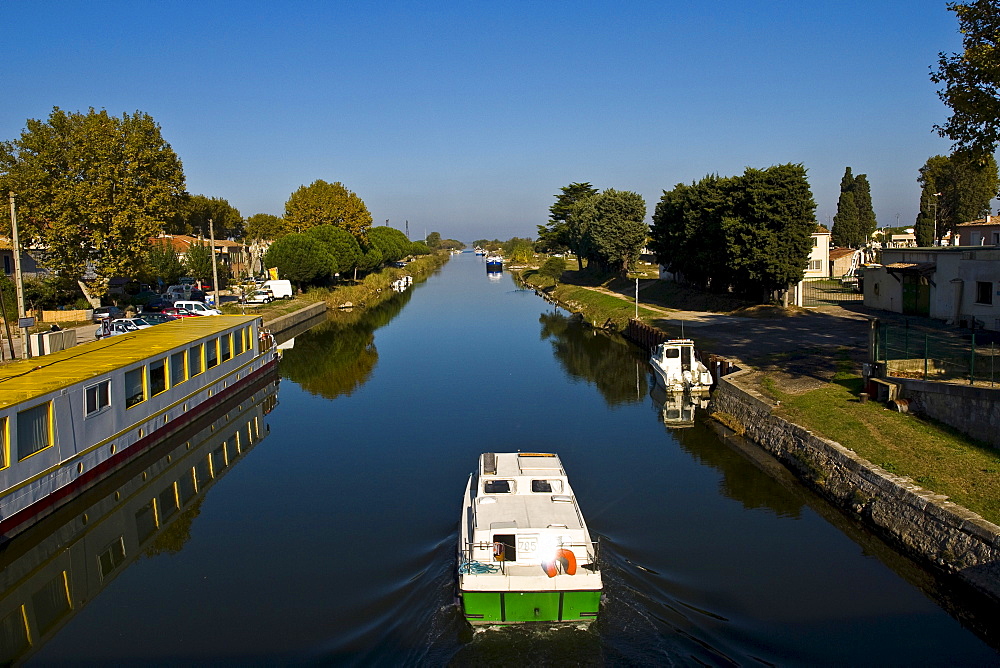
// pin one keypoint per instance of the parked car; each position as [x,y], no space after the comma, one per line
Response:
[199,308]
[157,318]
[121,326]
[179,312]
[104,312]
[262,296]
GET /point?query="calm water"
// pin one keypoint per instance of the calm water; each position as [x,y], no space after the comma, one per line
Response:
[333,539]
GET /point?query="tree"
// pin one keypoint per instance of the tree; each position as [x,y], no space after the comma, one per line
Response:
[434,240]
[769,230]
[163,262]
[855,219]
[299,258]
[618,231]
[972,80]
[965,187]
[198,261]
[93,189]
[390,242]
[341,245]
[264,227]
[322,203]
[197,210]
[566,230]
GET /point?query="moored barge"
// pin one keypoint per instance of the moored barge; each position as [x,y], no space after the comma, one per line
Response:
[70,418]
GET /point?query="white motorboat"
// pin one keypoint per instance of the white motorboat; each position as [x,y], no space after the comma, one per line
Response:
[524,552]
[678,368]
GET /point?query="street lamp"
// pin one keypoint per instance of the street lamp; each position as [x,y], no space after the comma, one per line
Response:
[936,195]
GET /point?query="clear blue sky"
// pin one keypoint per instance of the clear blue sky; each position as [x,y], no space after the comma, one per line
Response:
[466,118]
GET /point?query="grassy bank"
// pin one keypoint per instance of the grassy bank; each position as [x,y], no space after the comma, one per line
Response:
[935,456]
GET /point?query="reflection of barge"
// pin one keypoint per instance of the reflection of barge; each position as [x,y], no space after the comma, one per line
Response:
[71,417]
[525,554]
[52,570]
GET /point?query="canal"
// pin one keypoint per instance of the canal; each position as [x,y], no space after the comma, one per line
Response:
[329,536]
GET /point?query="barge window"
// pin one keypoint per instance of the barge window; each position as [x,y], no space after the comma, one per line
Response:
[157,377]
[547,486]
[4,448]
[112,557]
[186,487]
[34,430]
[225,347]
[51,603]
[13,633]
[211,353]
[238,342]
[145,521]
[135,389]
[98,397]
[497,486]
[177,375]
[167,501]
[194,360]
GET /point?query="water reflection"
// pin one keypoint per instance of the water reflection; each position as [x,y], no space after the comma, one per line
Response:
[50,572]
[617,369]
[675,410]
[338,356]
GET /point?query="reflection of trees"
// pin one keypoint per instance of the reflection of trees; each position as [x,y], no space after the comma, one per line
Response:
[741,480]
[615,368]
[338,356]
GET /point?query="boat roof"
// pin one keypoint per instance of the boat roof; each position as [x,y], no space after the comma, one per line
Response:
[508,464]
[28,378]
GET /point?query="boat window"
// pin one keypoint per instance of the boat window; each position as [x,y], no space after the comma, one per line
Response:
[546,486]
[112,557]
[238,342]
[145,521]
[225,347]
[34,430]
[177,372]
[97,397]
[194,360]
[211,353]
[157,377]
[672,353]
[186,487]
[51,603]
[135,390]
[167,502]
[498,486]
[504,547]
[13,626]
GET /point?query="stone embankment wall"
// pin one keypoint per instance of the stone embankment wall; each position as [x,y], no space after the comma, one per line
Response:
[974,411]
[926,525]
[287,321]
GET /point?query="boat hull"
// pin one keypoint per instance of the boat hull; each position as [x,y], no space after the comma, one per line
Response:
[516,607]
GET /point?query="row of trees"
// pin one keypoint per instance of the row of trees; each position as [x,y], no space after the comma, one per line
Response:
[606,228]
[747,234]
[953,189]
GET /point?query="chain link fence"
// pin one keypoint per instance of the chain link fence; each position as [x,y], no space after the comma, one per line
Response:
[912,352]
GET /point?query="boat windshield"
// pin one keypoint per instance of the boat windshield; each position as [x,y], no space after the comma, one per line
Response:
[547,486]
[498,486]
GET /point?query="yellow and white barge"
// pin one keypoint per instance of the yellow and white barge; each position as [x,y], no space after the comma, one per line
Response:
[70,418]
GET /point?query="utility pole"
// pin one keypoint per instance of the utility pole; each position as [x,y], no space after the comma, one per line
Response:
[215,269]
[936,195]
[18,284]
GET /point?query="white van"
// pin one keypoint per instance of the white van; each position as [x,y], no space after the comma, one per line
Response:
[198,308]
[281,289]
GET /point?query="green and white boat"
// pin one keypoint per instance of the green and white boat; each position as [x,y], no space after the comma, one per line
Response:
[524,552]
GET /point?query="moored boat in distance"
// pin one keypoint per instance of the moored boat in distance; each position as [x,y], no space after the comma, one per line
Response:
[525,553]
[678,368]
[70,418]
[494,263]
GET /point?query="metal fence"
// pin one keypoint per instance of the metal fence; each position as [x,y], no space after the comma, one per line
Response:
[831,291]
[911,352]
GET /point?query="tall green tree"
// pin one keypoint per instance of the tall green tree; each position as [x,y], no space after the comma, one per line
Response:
[198,262]
[322,203]
[433,240]
[197,210]
[341,245]
[299,258]
[390,242]
[972,80]
[855,219]
[93,189]
[954,189]
[618,231]
[264,227]
[564,229]
[164,263]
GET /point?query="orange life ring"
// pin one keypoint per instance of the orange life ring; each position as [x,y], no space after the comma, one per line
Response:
[566,558]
